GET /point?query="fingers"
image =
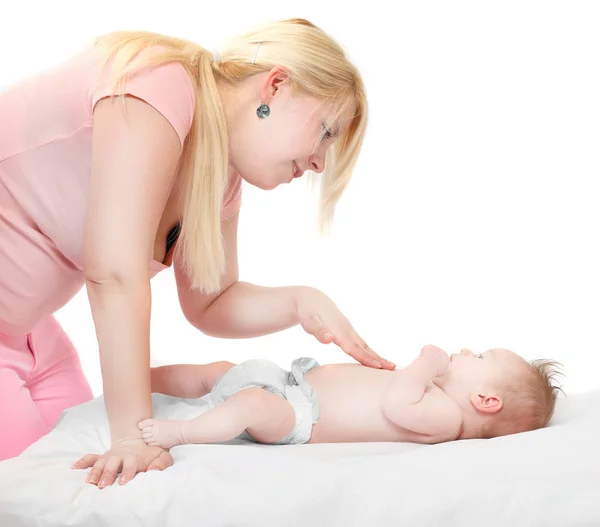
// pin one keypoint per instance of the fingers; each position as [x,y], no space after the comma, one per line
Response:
[127,459]
[111,469]
[86,461]
[430,348]
[129,470]
[356,348]
[163,461]
[361,351]
[349,341]
[436,357]
[94,475]
[324,336]
[315,326]
[385,364]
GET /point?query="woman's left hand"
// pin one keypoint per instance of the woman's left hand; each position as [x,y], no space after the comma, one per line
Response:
[128,457]
[320,317]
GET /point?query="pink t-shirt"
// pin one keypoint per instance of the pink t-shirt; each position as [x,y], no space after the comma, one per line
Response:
[45,161]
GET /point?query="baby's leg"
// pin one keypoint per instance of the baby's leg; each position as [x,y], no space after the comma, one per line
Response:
[267,417]
[188,380]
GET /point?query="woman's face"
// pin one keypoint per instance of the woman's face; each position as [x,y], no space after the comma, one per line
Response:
[294,138]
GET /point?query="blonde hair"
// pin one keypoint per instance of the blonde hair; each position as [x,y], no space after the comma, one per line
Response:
[528,400]
[318,67]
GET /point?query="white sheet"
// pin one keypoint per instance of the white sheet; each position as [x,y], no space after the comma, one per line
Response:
[547,478]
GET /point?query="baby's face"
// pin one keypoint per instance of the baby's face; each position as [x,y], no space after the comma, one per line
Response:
[470,372]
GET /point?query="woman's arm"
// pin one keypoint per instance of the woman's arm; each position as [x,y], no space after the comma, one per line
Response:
[134,158]
[243,310]
[246,310]
[239,310]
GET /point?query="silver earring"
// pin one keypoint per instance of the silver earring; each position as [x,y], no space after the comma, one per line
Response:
[263,111]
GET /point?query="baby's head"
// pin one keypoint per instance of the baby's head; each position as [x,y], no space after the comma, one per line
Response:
[500,392]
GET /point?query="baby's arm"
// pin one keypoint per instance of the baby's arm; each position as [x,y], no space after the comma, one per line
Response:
[407,402]
[189,381]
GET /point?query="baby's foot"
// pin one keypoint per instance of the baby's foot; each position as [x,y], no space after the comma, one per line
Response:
[165,434]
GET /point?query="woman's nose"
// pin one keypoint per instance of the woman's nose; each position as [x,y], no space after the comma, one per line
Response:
[316,166]
[317,163]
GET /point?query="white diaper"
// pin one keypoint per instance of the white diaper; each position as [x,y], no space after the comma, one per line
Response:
[290,385]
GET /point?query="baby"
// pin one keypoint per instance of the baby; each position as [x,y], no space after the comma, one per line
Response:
[436,398]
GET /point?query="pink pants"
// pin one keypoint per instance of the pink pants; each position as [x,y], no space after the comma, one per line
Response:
[40,376]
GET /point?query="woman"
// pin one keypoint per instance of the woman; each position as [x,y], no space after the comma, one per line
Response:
[129,158]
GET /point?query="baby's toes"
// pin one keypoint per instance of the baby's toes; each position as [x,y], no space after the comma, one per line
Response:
[145,423]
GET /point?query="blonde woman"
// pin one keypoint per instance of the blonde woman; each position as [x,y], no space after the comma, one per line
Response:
[129,158]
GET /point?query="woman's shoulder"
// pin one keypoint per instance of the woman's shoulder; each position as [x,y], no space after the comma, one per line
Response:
[166,86]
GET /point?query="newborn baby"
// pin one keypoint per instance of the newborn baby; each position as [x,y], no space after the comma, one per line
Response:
[436,398]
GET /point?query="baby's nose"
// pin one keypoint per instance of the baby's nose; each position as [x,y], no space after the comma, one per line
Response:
[466,351]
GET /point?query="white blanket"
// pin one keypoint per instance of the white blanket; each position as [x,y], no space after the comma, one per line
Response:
[547,478]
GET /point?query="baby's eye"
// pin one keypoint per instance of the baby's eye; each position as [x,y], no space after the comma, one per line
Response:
[480,356]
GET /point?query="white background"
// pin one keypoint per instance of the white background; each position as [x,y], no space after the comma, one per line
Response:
[473,217]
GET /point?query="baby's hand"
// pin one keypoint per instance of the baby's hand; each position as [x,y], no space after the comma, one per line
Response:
[438,358]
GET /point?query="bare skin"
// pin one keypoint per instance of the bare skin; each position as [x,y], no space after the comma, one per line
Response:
[135,181]
[357,403]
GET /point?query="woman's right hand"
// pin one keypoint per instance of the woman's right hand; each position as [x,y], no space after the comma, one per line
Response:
[128,457]
[320,317]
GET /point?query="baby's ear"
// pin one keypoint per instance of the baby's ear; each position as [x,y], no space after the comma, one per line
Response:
[486,403]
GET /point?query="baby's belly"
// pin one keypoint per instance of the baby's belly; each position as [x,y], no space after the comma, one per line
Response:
[350,408]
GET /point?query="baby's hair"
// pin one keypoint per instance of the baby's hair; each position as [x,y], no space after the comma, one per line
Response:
[529,400]
[547,371]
